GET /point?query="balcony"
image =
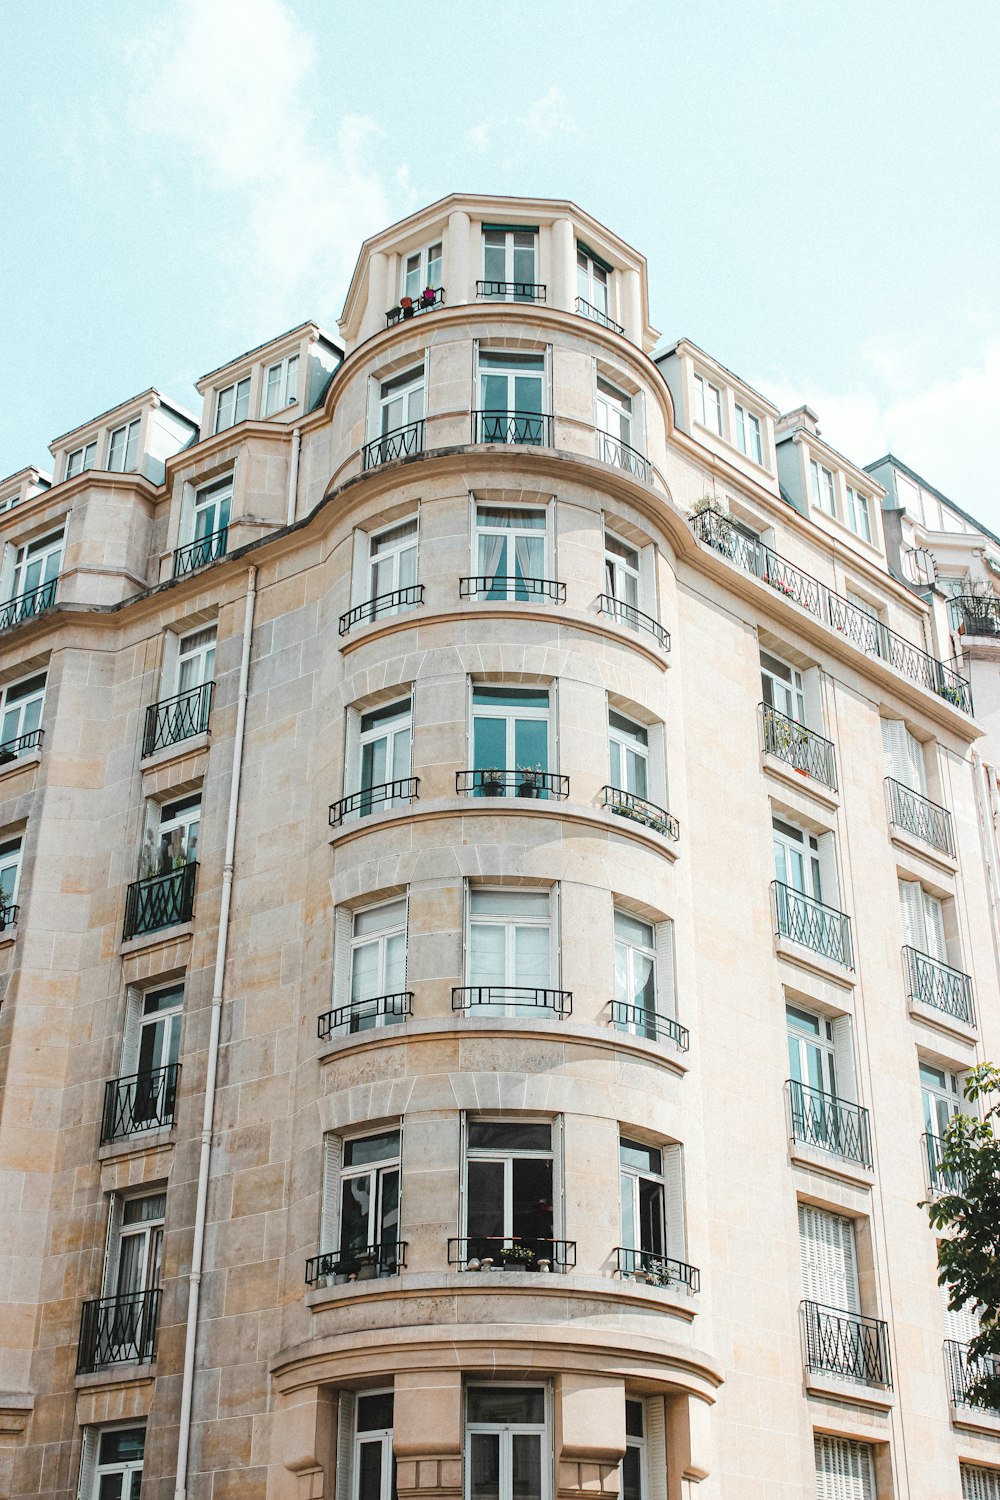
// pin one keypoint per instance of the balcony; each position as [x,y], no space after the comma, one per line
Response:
[11,749]
[803,749]
[118,1330]
[657,1270]
[637,810]
[162,901]
[512,291]
[627,614]
[511,588]
[846,1344]
[587,310]
[919,817]
[410,307]
[531,428]
[199,553]
[832,1124]
[8,916]
[512,1252]
[365,1015]
[401,442]
[23,606]
[178,718]
[381,606]
[939,1179]
[525,781]
[512,999]
[965,1372]
[930,982]
[750,554]
[367,1264]
[143,1101]
[637,1020]
[802,919]
[612,450]
[974,616]
[398,793]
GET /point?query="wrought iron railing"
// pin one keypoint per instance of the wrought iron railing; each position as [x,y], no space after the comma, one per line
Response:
[118,1330]
[917,815]
[144,1101]
[588,310]
[401,442]
[803,749]
[512,999]
[965,1373]
[657,1270]
[803,919]
[939,1178]
[638,810]
[629,615]
[833,1124]
[612,450]
[497,781]
[976,616]
[11,749]
[867,633]
[23,606]
[178,718]
[485,1252]
[8,915]
[934,983]
[846,1344]
[651,1024]
[529,427]
[366,1264]
[365,1015]
[386,794]
[201,552]
[409,307]
[511,586]
[391,603]
[161,901]
[512,291]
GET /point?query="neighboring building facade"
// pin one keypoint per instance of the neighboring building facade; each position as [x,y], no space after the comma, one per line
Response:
[495,913]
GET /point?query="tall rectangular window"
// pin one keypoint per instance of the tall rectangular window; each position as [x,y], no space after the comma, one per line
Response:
[232,404]
[111,1466]
[80,459]
[131,1272]
[845,1470]
[212,505]
[171,839]
[509,1189]
[510,740]
[400,404]
[941,1095]
[592,280]
[422,269]
[506,1448]
[829,1259]
[123,447]
[510,551]
[859,513]
[195,659]
[748,434]
[509,264]
[151,1043]
[281,384]
[373,1473]
[384,754]
[904,757]
[37,564]
[796,859]
[923,920]
[377,960]
[511,388]
[643,1211]
[365,1187]
[781,687]
[622,577]
[21,705]
[392,561]
[614,417]
[628,745]
[822,487]
[707,404]
[644,979]
[10,878]
[510,958]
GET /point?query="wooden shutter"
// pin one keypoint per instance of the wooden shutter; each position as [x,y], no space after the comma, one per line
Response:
[843,1059]
[7,566]
[88,1463]
[343,928]
[657,762]
[980,1484]
[829,1263]
[666,989]
[111,1242]
[655,1428]
[963,1323]
[673,1202]
[934,927]
[360,587]
[896,751]
[345,1445]
[330,1199]
[912,908]
[558,1181]
[130,1034]
[844,1469]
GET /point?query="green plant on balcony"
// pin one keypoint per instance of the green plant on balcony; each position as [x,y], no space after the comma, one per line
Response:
[952,695]
[518,1257]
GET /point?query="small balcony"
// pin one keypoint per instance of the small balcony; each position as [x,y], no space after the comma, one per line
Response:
[525,781]
[612,450]
[512,291]
[803,749]
[802,919]
[366,1264]
[939,1179]
[931,982]
[974,616]
[178,718]
[411,307]
[401,442]
[399,793]
[162,901]
[512,1000]
[143,1101]
[381,607]
[657,1270]
[637,1020]
[10,750]
[965,1373]
[23,606]
[365,1015]
[919,817]
[846,1344]
[8,916]
[627,614]
[199,553]
[588,310]
[637,810]
[511,588]
[831,1124]
[531,428]
[512,1252]
[118,1330]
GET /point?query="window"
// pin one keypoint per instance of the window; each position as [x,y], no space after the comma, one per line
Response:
[822,487]
[642,1204]
[131,1274]
[845,1470]
[811,1053]
[592,280]
[509,949]
[707,404]
[859,513]
[510,398]
[644,979]
[123,447]
[196,660]
[621,571]
[111,1467]
[361,1203]
[923,920]
[21,707]
[80,459]
[232,404]
[365,1443]
[150,1050]
[821,1086]
[509,263]
[400,405]
[281,385]
[796,859]
[634,1485]
[614,421]
[212,506]
[510,552]
[979,1483]
[422,269]
[36,566]
[628,745]
[829,1259]
[904,756]
[378,961]
[781,686]
[171,840]
[507,1453]
[748,434]
[509,1188]
[384,750]
[510,733]
[10,878]
[392,561]
[941,1094]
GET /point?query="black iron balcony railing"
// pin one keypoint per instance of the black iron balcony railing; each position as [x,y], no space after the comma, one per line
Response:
[401,442]
[8,915]
[365,1015]
[397,793]
[846,1344]
[657,1270]
[917,815]
[366,1264]
[965,1373]
[588,310]
[627,614]
[612,450]
[144,1101]
[512,291]
[161,901]
[939,1179]
[803,919]
[975,616]
[392,603]
[803,749]
[118,1330]
[497,781]
[934,983]
[508,587]
[178,718]
[409,307]
[638,810]
[11,749]
[529,427]
[201,552]
[23,606]
[511,1252]
[512,999]
[651,1024]
[867,633]
[834,1125]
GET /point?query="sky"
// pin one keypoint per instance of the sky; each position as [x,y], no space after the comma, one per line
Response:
[815,187]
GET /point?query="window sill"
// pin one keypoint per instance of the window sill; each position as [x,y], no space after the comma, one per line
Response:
[23,762]
[819,1383]
[117,1375]
[137,1144]
[174,752]
[808,785]
[941,1021]
[911,845]
[805,958]
[180,932]
[979,1419]
[8,936]
[816,1160]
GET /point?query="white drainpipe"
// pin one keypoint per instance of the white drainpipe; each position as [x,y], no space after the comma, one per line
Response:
[293,476]
[198,1245]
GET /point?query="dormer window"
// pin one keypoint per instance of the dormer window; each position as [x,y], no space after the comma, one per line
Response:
[281,385]
[422,269]
[123,447]
[859,513]
[80,459]
[592,281]
[707,404]
[232,404]
[748,434]
[822,487]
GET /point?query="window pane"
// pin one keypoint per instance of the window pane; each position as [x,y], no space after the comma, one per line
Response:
[510,903]
[531,957]
[635,1154]
[122,1446]
[379,918]
[532,1197]
[485,1208]
[633,1418]
[382,1147]
[506,697]
[502,1135]
[506,1404]
[526,1474]
[375,1412]
[370,1470]
[355,1206]
[631,930]
[531,743]
[485,1460]
[111,1487]
[487,954]
[631,1470]
[627,730]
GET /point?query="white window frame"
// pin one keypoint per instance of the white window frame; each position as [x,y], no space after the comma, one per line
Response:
[510,714]
[150,1231]
[92,1471]
[505,1432]
[622,577]
[859,514]
[511,252]
[632,740]
[824,493]
[379,939]
[195,659]
[139,1021]
[40,550]
[904,756]
[17,699]
[593,280]
[509,921]
[234,409]
[392,722]
[380,1437]
[941,1097]
[923,917]
[509,536]
[401,556]
[181,815]
[283,390]
[125,461]
[635,1174]
[707,402]
[81,459]
[750,434]
[376,1172]
[819,1041]
[799,841]
[216,496]
[790,689]
[513,363]
[427,270]
[11,855]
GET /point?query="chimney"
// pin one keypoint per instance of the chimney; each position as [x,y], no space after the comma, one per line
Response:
[802,416]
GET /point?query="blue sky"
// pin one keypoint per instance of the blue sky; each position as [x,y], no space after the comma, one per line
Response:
[815,187]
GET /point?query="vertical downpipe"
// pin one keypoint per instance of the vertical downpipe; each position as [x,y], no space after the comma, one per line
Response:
[293,477]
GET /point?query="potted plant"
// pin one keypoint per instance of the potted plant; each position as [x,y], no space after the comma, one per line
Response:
[367,1267]
[345,1270]
[518,1257]
[406,303]
[532,781]
[491,782]
[428,297]
[6,755]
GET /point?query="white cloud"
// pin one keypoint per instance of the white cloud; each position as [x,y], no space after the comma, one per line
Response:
[479,135]
[549,116]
